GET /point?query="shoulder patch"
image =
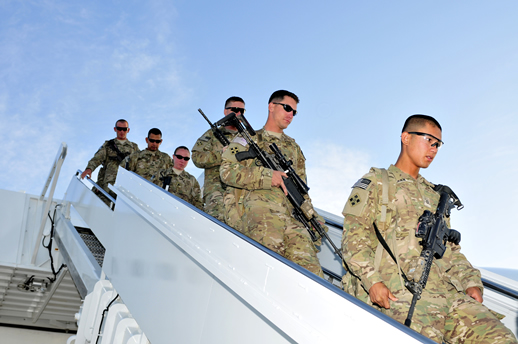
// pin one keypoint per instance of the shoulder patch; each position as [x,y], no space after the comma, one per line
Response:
[205,138]
[230,153]
[356,202]
[362,183]
[359,196]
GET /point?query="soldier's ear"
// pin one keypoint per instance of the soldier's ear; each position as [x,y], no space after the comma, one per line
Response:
[405,138]
[115,129]
[128,129]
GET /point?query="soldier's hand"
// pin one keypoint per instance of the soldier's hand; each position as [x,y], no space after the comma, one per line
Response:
[380,295]
[277,180]
[85,173]
[475,293]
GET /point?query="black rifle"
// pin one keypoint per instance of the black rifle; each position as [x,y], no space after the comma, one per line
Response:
[435,233]
[217,133]
[297,189]
[166,182]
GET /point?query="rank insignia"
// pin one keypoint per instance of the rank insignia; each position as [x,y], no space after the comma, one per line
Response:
[234,150]
[354,200]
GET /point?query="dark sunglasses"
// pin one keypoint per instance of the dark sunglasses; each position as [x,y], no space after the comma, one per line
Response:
[287,108]
[154,141]
[122,128]
[186,158]
[235,109]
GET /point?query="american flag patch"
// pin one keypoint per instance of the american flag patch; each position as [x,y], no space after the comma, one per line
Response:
[362,183]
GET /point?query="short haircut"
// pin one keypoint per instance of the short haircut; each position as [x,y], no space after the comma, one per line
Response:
[180,147]
[154,131]
[121,120]
[280,94]
[234,99]
[418,121]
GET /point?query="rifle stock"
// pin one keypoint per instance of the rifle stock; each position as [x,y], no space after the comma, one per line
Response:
[217,133]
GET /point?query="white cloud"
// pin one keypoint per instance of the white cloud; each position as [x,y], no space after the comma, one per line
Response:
[332,170]
[131,58]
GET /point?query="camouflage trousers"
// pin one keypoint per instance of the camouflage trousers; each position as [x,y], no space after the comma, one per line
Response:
[214,205]
[451,317]
[281,233]
[104,198]
[234,210]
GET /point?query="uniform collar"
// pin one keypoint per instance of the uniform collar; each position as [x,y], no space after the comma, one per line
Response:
[147,151]
[267,134]
[400,175]
[178,172]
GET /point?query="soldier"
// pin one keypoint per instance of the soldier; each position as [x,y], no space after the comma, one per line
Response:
[181,183]
[450,309]
[150,161]
[206,154]
[111,153]
[267,214]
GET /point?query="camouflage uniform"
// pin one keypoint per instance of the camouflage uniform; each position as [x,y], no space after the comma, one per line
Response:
[444,312]
[206,154]
[107,156]
[148,164]
[185,186]
[267,212]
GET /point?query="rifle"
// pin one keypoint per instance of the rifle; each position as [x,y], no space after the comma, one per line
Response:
[435,233]
[217,133]
[297,189]
[166,182]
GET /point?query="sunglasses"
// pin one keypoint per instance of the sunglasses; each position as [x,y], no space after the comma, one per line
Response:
[154,141]
[122,128]
[428,138]
[186,158]
[287,108]
[235,109]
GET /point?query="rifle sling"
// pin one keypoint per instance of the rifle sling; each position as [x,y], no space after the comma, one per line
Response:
[387,248]
[120,155]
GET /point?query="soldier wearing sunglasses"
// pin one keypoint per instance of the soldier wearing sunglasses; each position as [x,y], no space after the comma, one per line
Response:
[150,161]
[388,204]
[266,212]
[109,155]
[206,154]
[180,182]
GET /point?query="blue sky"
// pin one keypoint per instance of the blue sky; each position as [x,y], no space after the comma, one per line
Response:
[68,70]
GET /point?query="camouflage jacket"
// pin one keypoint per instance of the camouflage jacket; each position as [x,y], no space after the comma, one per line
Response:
[206,154]
[251,176]
[408,198]
[148,164]
[185,186]
[107,156]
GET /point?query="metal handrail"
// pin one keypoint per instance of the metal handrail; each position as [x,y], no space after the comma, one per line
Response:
[53,176]
[98,188]
[513,293]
